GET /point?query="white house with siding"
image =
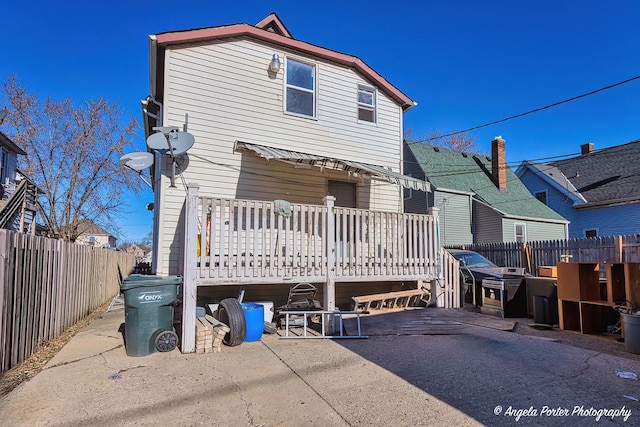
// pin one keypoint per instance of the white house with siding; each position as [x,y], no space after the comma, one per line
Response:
[297,169]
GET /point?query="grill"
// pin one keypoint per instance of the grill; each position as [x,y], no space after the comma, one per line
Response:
[500,297]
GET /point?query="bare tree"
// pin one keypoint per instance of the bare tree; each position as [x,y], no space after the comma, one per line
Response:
[72,155]
[459,141]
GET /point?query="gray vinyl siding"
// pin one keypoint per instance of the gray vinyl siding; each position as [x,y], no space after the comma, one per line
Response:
[487,224]
[536,230]
[455,218]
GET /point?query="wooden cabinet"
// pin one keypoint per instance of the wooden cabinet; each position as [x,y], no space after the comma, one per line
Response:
[586,304]
[578,281]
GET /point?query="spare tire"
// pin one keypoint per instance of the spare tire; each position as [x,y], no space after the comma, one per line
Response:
[231,314]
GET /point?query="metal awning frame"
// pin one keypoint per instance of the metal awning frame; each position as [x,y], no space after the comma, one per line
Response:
[354,168]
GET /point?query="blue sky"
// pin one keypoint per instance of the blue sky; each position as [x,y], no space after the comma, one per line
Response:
[465,63]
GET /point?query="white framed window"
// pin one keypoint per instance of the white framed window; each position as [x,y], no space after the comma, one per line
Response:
[520,231]
[541,195]
[366,104]
[300,88]
[92,240]
[592,232]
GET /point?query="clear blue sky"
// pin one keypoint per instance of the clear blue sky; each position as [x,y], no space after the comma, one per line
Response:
[466,63]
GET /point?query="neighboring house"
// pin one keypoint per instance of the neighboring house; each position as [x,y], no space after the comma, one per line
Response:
[92,234]
[598,191]
[480,199]
[138,252]
[281,127]
[18,194]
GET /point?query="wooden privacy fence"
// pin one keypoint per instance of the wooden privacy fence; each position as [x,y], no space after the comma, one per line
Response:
[531,255]
[48,285]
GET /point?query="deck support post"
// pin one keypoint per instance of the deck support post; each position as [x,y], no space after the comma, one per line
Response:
[189,273]
[330,285]
[440,290]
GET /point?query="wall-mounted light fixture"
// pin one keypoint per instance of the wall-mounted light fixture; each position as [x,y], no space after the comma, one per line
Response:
[274,65]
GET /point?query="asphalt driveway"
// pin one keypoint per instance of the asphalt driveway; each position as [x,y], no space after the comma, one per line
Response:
[428,367]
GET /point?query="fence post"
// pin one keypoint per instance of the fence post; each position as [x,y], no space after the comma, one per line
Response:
[444,298]
[618,246]
[189,271]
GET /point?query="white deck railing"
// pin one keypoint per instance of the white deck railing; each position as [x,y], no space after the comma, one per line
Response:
[241,241]
[231,241]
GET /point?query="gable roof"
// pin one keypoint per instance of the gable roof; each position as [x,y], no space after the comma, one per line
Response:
[10,145]
[554,177]
[271,30]
[450,170]
[609,175]
[88,227]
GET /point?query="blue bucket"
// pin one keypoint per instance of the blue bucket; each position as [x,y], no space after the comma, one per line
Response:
[254,316]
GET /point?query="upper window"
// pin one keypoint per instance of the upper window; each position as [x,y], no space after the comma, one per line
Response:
[366,104]
[542,196]
[301,88]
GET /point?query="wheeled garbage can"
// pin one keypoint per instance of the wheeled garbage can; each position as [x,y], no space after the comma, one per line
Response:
[148,313]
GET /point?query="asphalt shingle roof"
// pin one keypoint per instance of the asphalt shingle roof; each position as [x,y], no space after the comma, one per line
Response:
[455,170]
[605,175]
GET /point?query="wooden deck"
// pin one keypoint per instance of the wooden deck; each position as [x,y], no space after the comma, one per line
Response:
[231,241]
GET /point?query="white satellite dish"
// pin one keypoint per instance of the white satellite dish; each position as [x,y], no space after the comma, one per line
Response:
[180,142]
[158,142]
[137,161]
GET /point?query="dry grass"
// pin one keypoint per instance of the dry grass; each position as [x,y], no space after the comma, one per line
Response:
[45,352]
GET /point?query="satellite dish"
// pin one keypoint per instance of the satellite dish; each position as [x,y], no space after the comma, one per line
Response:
[137,161]
[180,142]
[158,142]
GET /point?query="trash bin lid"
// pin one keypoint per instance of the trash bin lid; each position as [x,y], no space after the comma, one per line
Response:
[152,281]
[132,277]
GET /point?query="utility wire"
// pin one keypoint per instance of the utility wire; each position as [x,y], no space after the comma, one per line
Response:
[555,104]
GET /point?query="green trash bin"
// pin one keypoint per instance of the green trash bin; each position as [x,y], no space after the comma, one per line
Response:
[148,313]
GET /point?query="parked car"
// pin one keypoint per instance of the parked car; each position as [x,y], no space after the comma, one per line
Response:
[474,268]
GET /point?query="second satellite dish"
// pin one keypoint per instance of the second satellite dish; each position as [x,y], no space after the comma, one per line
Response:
[180,142]
[137,161]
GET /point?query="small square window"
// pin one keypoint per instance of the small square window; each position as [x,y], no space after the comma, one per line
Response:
[542,196]
[366,104]
[591,233]
[520,232]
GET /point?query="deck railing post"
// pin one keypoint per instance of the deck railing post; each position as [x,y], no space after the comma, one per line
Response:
[330,283]
[329,286]
[190,266]
[442,297]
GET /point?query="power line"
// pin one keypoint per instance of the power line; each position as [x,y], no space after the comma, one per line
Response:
[555,104]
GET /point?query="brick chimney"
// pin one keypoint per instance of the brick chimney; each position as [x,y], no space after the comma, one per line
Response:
[586,148]
[498,163]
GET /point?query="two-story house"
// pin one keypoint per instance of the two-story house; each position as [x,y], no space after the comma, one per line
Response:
[480,199]
[598,191]
[298,165]
[91,234]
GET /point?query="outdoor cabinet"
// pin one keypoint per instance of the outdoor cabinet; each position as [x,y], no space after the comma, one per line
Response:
[588,307]
[578,281]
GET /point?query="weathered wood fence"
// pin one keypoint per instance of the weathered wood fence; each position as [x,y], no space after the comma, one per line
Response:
[531,255]
[48,285]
